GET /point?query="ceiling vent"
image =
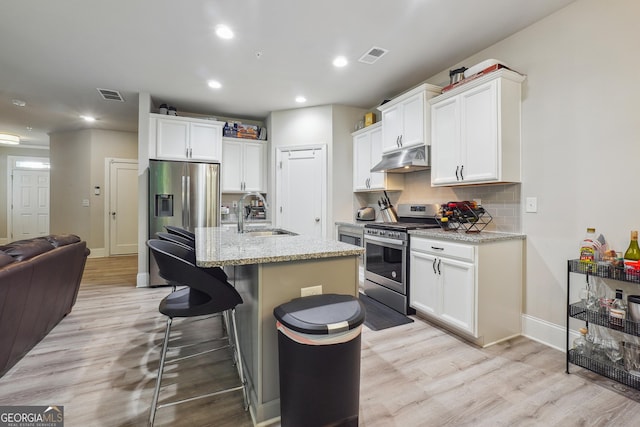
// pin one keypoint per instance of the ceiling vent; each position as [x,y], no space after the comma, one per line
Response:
[373,55]
[110,95]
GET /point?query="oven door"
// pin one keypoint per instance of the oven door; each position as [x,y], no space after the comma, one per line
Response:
[385,262]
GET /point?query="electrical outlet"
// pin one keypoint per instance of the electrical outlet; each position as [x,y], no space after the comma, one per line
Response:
[532,204]
[311,290]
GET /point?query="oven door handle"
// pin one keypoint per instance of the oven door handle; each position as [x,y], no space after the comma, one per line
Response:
[393,242]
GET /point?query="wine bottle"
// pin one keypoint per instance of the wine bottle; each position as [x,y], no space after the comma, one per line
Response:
[633,251]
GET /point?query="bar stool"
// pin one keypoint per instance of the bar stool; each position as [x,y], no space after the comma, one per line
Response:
[190,254]
[203,295]
[176,238]
[180,232]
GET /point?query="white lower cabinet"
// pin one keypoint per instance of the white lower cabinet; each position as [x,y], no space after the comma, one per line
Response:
[467,288]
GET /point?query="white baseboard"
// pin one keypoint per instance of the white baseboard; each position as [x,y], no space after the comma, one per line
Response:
[546,332]
[4,240]
[97,253]
[142,280]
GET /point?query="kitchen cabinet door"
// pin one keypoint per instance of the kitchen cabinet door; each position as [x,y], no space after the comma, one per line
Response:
[367,152]
[479,133]
[377,179]
[445,130]
[231,166]
[243,166]
[392,128]
[172,139]
[178,138]
[404,120]
[255,161]
[413,121]
[475,132]
[424,289]
[458,294]
[205,141]
[361,161]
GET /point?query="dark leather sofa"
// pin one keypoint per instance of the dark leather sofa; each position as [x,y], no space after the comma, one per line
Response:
[39,282]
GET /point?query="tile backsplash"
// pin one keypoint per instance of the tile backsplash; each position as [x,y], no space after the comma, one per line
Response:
[502,201]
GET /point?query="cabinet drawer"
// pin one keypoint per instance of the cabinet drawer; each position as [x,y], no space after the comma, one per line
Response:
[442,248]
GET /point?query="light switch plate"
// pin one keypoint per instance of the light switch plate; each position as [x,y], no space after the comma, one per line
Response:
[311,290]
[85,203]
[532,204]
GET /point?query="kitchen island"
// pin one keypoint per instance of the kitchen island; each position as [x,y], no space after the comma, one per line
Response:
[268,270]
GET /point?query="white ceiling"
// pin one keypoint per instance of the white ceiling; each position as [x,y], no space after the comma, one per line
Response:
[55,54]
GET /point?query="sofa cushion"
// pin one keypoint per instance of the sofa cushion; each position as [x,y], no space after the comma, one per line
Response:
[5,259]
[25,249]
[58,240]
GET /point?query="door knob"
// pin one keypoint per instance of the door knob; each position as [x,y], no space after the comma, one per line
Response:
[113,215]
[317,219]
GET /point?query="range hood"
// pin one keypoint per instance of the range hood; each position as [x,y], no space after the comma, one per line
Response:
[403,161]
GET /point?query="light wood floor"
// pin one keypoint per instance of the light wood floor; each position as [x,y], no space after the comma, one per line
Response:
[100,363]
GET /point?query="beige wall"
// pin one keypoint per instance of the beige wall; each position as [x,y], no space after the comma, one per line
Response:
[580,135]
[328,124]
[6,151]
[77,166]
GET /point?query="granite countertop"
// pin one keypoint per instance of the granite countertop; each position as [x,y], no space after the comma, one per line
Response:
[218,246]
[461,236]
[359,224]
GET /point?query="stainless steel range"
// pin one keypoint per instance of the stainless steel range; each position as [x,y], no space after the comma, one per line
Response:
[386,265]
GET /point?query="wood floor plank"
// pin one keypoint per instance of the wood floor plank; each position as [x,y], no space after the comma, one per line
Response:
[100,363]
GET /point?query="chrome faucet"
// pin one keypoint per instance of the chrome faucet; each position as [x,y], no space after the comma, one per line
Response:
[241,214]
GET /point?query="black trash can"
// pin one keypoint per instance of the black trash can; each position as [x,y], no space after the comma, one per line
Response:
[319,360]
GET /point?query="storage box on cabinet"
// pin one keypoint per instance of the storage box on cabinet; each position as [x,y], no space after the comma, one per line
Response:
[406,119]
[367,152]
[475,132]
[183,138]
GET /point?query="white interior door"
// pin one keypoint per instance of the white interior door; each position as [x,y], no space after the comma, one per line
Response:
[123,207]
[30,204]
[301,191]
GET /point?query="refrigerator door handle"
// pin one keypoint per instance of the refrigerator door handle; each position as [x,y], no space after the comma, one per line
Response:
[188,205]
[184,196]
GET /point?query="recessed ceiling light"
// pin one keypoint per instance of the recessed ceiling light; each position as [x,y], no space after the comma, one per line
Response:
[340,61]
[224,32]
[6,138]
[300,99]
[214,84]
[18,102]
[88,118]
[29,128]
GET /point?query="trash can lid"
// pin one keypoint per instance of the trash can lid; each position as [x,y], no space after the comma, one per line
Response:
[321,314]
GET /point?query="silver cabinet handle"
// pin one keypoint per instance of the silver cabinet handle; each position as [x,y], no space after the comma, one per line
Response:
[434,265]
[439,262]
[461,176]
[437,248]
[457,178]
[400,140]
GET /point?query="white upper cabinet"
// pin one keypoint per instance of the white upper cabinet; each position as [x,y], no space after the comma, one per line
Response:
[475,131]
[243,165]
[367,152]
[183,138]
[405,119]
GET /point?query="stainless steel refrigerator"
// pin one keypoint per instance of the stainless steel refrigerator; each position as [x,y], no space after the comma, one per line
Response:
[183,194]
